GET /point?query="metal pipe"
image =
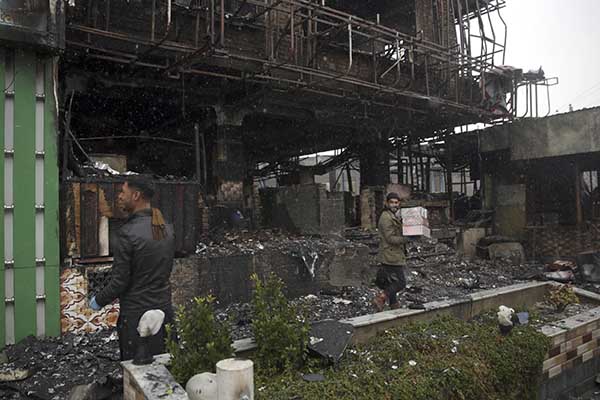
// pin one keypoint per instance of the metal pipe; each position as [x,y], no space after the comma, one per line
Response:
[204,162]
[212,21]
[197,35]
[197,150]
[107,16]
[505,32]
[427,75]
[536,101]
[292,33]
[531,99]
[120,137]
[410,161]
[153,22]
[578,208]
[449,186]
[493,34]
[222,38]
[548,95]
[526,100]
[169,12]
[350,59]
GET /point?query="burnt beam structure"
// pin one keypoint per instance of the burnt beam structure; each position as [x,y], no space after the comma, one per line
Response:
[266,81]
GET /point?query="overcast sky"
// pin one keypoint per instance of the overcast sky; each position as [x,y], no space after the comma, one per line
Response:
[562,36]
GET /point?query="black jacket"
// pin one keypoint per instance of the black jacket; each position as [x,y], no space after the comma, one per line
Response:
[141,268]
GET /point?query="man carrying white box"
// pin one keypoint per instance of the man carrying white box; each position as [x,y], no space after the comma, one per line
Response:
[392,258]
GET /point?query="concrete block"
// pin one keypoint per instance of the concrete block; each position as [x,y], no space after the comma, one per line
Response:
[467,241]
[507,251]
[151,382]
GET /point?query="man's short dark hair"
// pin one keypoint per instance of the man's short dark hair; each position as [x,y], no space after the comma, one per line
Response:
[142,183]
[392,195]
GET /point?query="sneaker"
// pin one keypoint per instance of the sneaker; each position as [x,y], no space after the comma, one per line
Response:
[379,301]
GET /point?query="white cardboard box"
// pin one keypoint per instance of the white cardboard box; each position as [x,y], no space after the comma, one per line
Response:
[413,221]
[413,212]
[416,230]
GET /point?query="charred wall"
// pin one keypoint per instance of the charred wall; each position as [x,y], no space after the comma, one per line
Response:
[90,215]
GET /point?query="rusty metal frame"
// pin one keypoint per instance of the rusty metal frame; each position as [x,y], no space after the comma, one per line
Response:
[426,57]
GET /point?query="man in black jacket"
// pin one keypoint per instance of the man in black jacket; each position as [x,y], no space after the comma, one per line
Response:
[143,259]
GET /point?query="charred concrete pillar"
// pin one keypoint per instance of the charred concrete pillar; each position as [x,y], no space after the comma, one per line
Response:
[375,164]
[374,177]
[229,157]
[230,180]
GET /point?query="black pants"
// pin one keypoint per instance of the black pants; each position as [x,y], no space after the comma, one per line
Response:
[129,337]
[391,279]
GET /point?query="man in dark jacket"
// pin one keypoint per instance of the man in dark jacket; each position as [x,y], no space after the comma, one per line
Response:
[391,256]
[143,259]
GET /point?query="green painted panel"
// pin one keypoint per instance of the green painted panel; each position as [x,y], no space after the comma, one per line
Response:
[25,310]
[2,84]
[24,194]
[52,282]
[51,196]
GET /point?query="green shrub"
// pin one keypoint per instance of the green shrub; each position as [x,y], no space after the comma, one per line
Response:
[203,341]
[280,331]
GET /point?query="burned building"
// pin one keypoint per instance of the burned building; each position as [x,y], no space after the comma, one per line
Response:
[215,96]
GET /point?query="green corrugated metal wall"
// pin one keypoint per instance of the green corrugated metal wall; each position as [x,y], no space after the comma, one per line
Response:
[29,276]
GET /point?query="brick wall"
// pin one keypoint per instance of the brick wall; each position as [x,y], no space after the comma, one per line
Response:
[573,358]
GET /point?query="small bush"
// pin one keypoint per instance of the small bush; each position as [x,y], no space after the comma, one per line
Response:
[203,341]
[281,333]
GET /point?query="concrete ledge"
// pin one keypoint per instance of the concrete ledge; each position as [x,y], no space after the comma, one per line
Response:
[367,326]
[151,382]
[518,295]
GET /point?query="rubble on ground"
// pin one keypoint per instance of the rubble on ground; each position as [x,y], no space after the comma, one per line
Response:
[56,367]
[434,272]
[59,367]
[244,242]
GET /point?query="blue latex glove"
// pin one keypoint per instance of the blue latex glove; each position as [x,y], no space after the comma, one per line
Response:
[94,305]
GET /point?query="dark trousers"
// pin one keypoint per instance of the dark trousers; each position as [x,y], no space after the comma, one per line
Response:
[391,279]
[129,337]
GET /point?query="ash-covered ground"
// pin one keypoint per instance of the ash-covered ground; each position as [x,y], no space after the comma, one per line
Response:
[446,277]
[53,368]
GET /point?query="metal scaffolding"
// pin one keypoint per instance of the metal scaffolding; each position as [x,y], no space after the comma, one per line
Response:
[300,46]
